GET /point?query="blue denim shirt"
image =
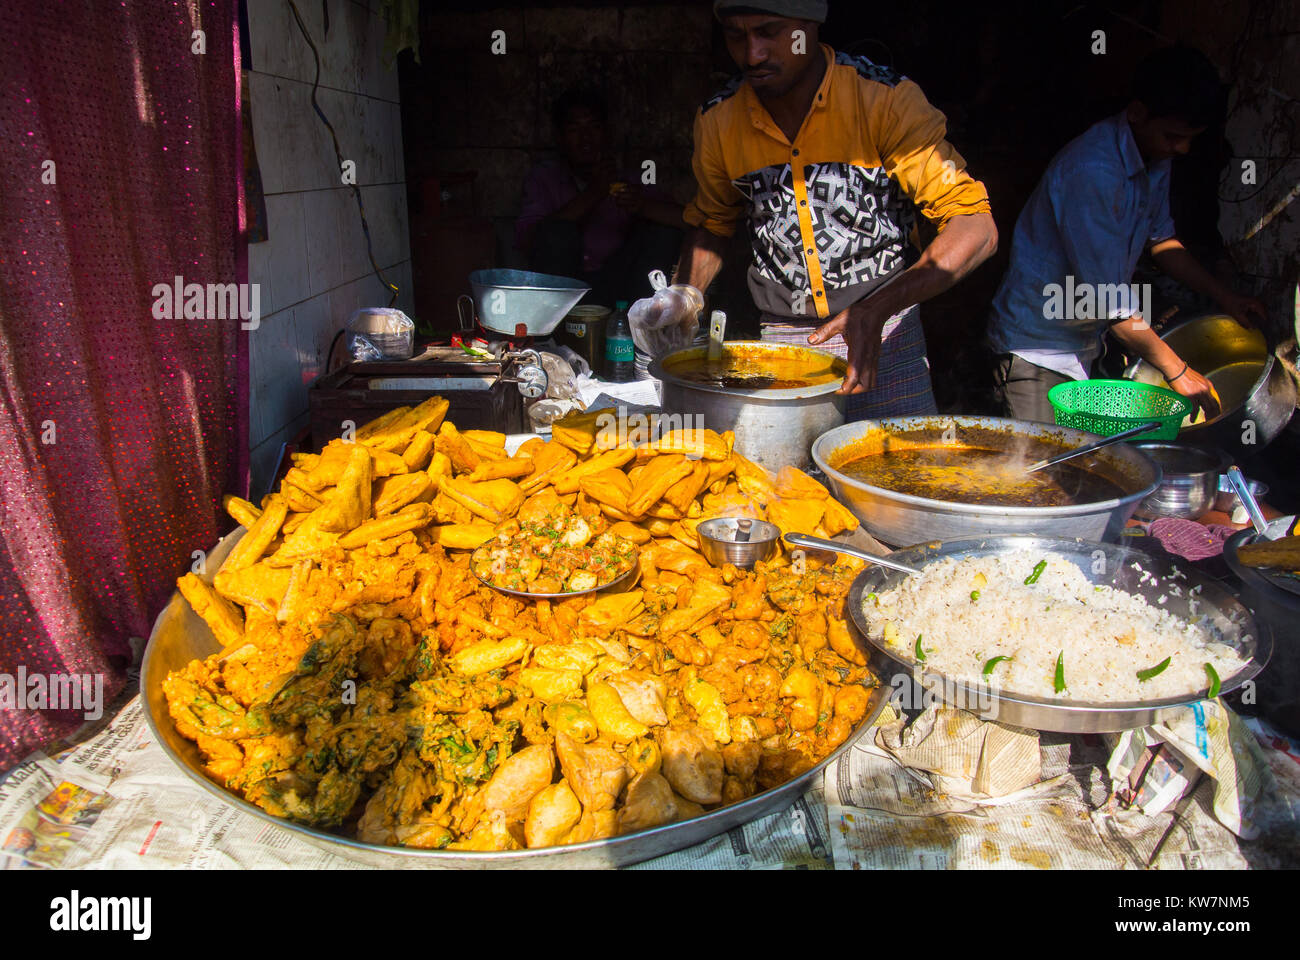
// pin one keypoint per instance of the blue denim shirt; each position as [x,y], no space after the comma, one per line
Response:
[1095,210]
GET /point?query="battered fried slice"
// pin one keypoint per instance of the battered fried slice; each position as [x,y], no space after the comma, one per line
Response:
[649,804]
[796,516]
[838,518]
[577,431]
[350,505]
[683,493]
[550,461]
[509,469]
[411,517]
[691,764]
[262,586]
[610,487]
[225,619]
[419,450]
[463,536]
[695,442]
[254,543]
[659,474]
[243,512]
[493,500]
[571,479]
[793,484]
[753,479]
[392,493]
[463,457]
[612,609]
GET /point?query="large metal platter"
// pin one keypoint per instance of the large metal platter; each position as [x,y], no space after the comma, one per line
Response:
[1104,564]
[180,635]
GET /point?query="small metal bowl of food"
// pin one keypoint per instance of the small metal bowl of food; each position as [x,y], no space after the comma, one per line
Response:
[1190,484]
[1226,500]
[740,541]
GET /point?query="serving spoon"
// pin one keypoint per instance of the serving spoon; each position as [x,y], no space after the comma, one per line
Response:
[1095,445]
[817,543]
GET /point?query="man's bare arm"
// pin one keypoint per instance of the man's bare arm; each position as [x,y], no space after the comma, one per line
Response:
[1136,335]
[1174,259]
[962,245]
[701,259]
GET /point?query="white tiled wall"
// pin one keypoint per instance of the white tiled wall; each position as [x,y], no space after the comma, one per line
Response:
[314,270]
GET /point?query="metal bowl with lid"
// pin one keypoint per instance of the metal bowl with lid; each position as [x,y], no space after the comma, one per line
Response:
[1190,481]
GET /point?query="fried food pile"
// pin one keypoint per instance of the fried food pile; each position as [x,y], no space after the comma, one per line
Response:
[560,553]
[370,684]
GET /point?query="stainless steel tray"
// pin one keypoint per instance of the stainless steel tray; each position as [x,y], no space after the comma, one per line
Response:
[1235,623]
[180,635]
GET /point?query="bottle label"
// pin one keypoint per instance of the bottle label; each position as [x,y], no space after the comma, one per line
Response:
[618,351]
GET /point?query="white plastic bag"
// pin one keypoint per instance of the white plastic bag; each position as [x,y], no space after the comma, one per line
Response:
[668,320]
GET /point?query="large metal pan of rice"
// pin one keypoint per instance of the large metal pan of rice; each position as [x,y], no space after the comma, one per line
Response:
[1051,634]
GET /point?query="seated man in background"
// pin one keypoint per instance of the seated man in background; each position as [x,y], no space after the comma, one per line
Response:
[1103,200]
[584,218]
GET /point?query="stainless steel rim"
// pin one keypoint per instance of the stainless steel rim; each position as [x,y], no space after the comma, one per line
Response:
[1066,716]
[761,396]
[837,436]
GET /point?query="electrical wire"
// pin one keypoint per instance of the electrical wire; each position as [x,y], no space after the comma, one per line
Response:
[338,155]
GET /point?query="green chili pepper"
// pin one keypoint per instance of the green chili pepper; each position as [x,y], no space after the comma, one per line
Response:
[1039,567]
[988,667]
[1059,683]
[974,595]
[920,654]
[1159,668]
[1214,682]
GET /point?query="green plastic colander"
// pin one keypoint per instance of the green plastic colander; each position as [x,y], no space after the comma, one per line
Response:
[1107,407]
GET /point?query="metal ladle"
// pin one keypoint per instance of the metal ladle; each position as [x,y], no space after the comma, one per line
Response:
[1247,500]
[817,543]
[1089,447]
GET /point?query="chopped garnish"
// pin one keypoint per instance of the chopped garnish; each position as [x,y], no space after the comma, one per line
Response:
[989,667]
[1214,682]
[1039,567]
[1159,668]
[920,654]
[1059,681]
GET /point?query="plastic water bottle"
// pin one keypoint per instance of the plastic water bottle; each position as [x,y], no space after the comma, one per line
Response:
[620,351]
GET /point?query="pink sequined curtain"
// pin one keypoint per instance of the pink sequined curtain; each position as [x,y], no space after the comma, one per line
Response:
[119,170]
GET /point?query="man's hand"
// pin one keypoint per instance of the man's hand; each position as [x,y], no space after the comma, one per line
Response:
[1240,307]
[861,326]
[1199,390]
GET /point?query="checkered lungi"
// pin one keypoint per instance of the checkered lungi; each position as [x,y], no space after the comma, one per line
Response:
[902,379]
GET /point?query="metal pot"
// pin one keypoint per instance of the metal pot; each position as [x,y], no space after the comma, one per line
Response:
[1190,484]
[1253,386]
[901,519]
[774,428]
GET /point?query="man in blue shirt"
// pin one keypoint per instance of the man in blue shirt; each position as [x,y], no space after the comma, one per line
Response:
[1103,200]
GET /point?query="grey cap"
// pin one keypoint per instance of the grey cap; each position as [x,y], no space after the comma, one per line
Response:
[814,10]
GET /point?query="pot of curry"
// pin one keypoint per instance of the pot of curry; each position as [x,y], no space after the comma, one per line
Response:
[777,398]
[914,479]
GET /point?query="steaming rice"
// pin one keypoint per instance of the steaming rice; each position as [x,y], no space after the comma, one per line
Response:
[969,611]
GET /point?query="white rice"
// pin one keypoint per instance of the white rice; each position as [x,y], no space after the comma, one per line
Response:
[1104,636]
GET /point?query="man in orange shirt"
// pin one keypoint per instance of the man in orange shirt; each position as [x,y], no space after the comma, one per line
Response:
[827,155]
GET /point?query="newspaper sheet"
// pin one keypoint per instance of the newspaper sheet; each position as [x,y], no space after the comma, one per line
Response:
[117,801]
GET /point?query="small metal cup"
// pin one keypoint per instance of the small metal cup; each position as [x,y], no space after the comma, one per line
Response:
[723,540]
